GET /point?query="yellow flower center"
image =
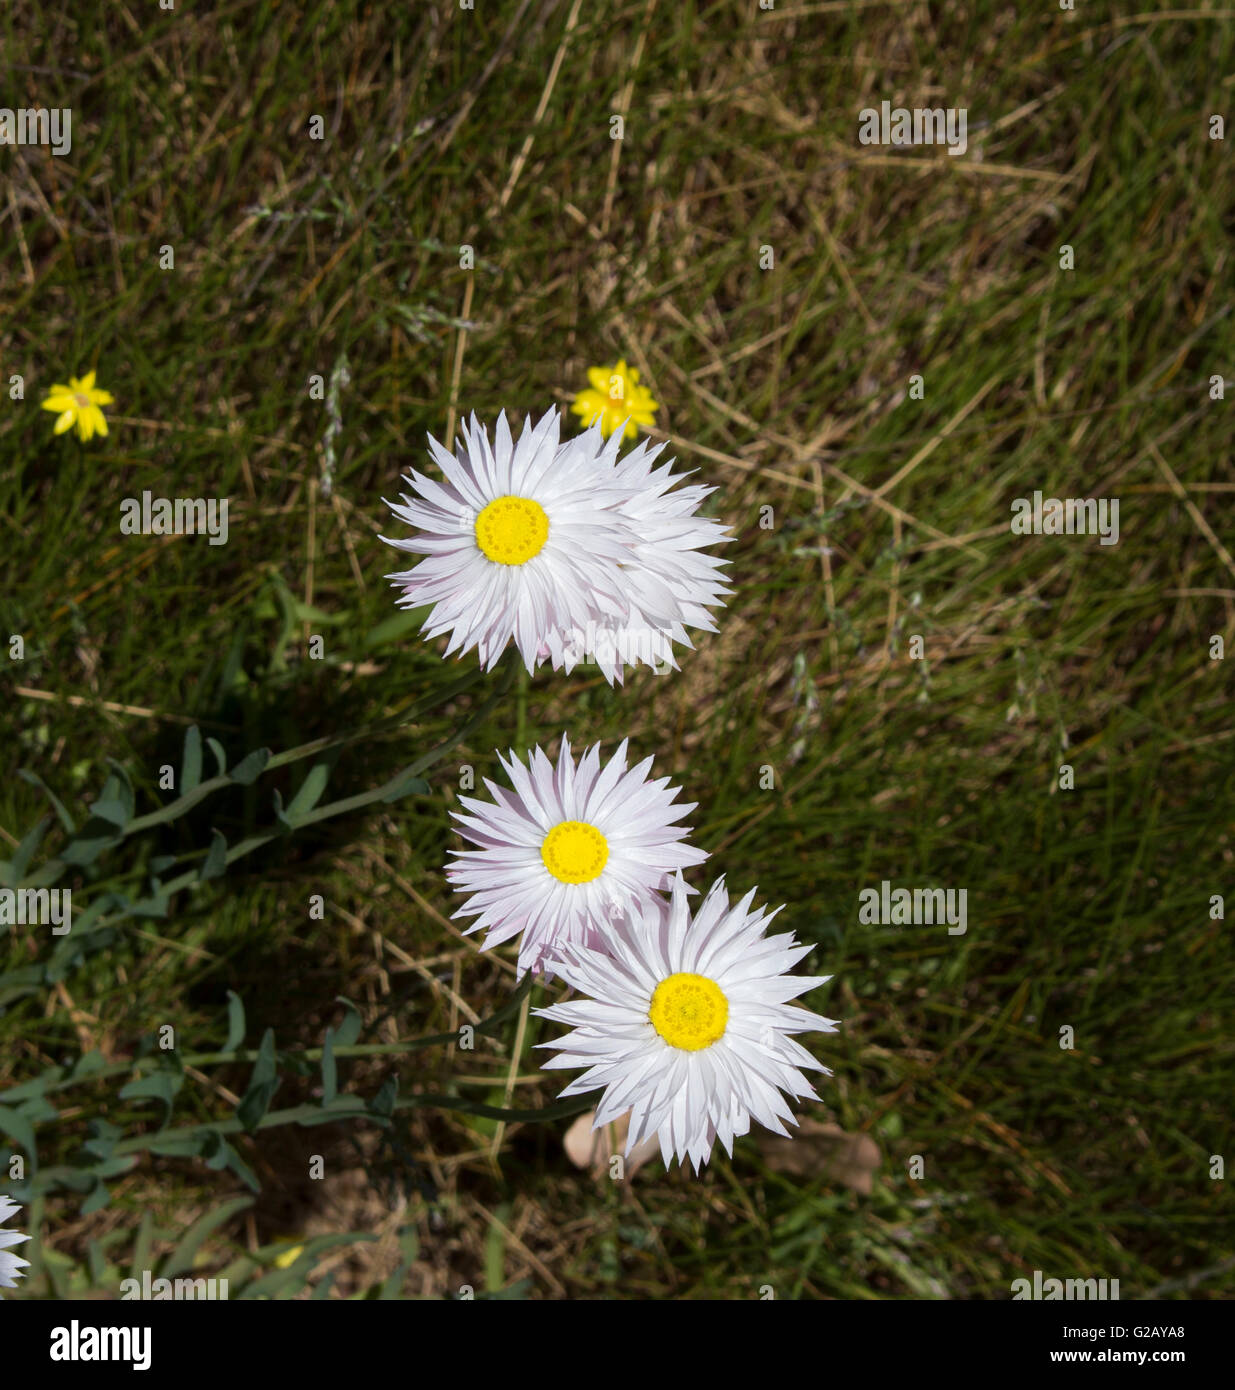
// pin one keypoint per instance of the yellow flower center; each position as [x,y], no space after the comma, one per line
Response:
[689,1011]
[511,530]
[575,852]
[82,400]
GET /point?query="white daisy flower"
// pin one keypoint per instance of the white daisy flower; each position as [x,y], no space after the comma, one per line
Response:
[520,540]
[568,851]
[687,1024]
[671,584]
[10,1265]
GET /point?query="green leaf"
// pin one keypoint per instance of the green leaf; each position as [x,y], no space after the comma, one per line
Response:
[235,1021]
[180,1145]
[84,922]
[395,627]
[280,815]
[88,1063]
[97,1200]
[262,1085]
[103,1139]
[392,1285]
[191,762]
[409,1244]
[220,756]
[120,775]
[215,864]
[269,1285]
[341,1108]
[29,1089]
[348,1031]
[35,780]
[78,1182]
[116,802]
[114,1167]
[71,949]
[24,852]
[232,677]
[163,1085]
[153,906]
[20,1130]
[14,984]
[495,1250]
[110,809]
[219,1154]
[97,1262]
[37,1109]
[383,1103]
[314,784]
[330,1078]
[91,840]
[181,1259]
[143,1244]
[306,613]
[517,1292]
[405,783]
[249,769]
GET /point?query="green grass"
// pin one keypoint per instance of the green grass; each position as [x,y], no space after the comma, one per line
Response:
[787,389]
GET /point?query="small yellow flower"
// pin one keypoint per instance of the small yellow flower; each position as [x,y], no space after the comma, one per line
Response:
[78,404]
[288,1257]
[615,395]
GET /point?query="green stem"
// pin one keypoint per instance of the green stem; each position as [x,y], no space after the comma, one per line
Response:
[311,1054]
[300,1114]
[51,871]
[335,808]
[306,750]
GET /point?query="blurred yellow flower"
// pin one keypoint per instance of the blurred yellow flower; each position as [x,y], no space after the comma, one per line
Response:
[613,396]
[289,1256]
[78,404]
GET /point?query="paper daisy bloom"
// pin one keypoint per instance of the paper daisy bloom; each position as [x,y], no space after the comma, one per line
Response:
[686,1023]
[568,852]
[670,582]
[10,1265]
[520,540]
[78,404]
[615,400]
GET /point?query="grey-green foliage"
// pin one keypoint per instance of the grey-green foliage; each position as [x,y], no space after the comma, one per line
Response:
[125,880]
[111,850]
[118,1263]
[159,1077]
